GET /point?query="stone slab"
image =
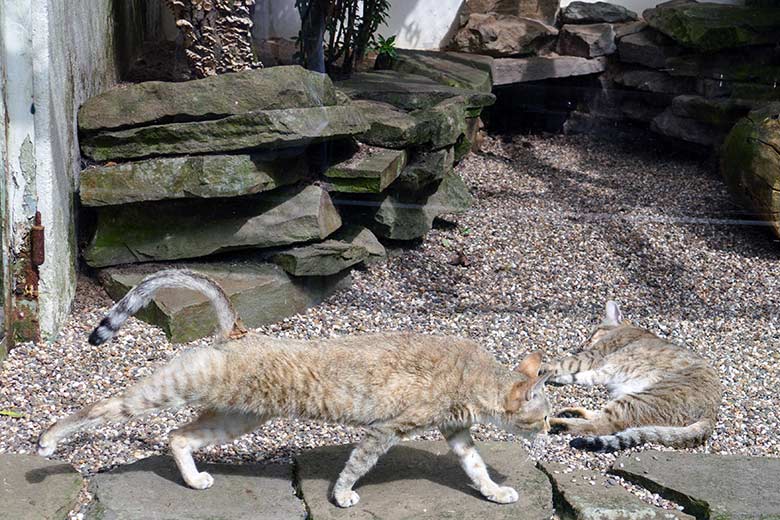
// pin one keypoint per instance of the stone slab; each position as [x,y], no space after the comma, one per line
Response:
[648,47]
[263,129]
[408,91]
[202,176]
[152,489]
[589,495]
[215,97]
[350,245]
[685,129]
[261,293]
[595,12]
[521,70]
[370,170]
[33,488]
[723,487]
[425,169]
[422,480]
[587,41]
[654,81]
[429,129]
[447,68]
[173,230]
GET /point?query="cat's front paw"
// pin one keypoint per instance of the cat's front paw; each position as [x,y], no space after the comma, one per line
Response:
[202,480]
[503,495]
[346,498]
[558,426]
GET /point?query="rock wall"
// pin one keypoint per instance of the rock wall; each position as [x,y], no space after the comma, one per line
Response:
[275,182]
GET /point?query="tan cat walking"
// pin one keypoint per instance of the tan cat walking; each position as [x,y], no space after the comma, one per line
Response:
[392,384]
[660,392]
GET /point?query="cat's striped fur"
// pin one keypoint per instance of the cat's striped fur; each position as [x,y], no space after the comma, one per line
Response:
[660,392]
[392,384]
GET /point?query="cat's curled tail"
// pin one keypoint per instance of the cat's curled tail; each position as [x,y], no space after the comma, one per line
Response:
[140,296]
[672,436]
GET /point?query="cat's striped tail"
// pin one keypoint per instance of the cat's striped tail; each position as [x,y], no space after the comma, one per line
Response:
[140,296]
[673,436]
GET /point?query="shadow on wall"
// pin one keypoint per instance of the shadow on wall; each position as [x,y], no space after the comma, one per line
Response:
[276,19]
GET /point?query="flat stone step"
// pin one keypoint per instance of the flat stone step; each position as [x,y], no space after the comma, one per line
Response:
[152,489]
[709,486]
[409,91]
[203,176]
[423,480]
[369,170]
[588,495]
[193,228]
[451,69]
[33,488]
[522,70]
[263,129]
[261,293]
[215,97]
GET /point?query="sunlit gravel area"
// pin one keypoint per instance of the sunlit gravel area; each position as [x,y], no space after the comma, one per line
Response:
[560,225]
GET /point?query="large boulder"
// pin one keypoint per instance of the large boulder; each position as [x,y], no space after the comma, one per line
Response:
[152,489]
[261,293]
[34,488]
[647,47]
[595,12]
[502,35]
[708,486]
[544,10]
[199,176]
[521,70]
[587,41]
[189,229]
[699,120]
[215,97]
[711,27]
[750,163]
[424,480]
[369,170]
[267,129]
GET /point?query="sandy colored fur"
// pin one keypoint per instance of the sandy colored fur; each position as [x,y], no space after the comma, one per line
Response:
[654,385]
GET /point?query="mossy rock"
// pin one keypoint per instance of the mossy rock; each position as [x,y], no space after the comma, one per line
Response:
[711,27]
[750,163]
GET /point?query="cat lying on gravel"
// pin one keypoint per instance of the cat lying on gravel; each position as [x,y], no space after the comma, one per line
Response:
[660,392]
[392,384]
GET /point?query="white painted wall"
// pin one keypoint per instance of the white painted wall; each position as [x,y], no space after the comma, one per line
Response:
[57,53]
[418,24]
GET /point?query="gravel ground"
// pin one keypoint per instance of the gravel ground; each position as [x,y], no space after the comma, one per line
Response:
[561,224]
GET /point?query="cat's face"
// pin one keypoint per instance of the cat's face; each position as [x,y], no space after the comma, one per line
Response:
[527,407]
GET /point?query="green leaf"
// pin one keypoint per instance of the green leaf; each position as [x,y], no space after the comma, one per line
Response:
[11,413]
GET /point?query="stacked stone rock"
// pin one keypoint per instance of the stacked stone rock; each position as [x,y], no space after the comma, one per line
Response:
[687,70]
[225,175]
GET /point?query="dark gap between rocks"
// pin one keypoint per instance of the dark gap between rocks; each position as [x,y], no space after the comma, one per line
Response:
[697,508]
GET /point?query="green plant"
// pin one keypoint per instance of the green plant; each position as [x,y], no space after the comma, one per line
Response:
[385,47]
[348,32]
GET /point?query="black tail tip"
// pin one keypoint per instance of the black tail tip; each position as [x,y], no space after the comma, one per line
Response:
[591,444]
[97,337]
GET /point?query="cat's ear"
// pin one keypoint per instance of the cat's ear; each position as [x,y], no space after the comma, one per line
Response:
[517,395]
[536,387]
[613,316]
[529,366]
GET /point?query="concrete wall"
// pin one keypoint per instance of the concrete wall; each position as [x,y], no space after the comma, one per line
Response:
[57,53]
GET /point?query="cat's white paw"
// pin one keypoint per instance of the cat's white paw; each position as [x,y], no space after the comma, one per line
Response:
[46,449]
[346,498]
[503,495]
[203,480]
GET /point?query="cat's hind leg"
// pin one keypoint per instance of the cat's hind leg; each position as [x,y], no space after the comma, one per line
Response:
[462,445]
[212,427]
[363,457]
